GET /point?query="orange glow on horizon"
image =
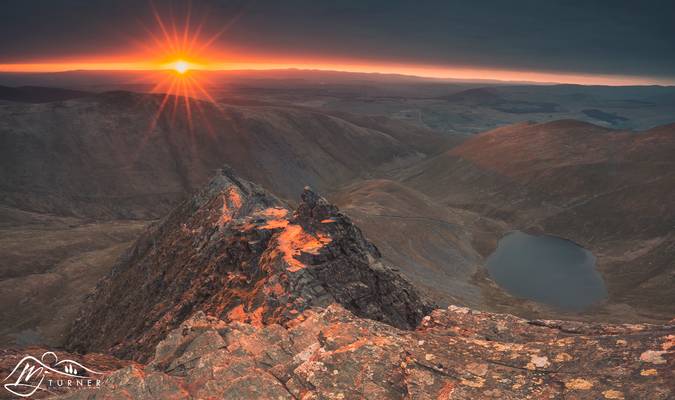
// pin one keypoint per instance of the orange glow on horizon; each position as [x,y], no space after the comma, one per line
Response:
[259,63]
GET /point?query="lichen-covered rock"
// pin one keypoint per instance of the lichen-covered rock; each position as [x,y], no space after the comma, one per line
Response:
[329,353]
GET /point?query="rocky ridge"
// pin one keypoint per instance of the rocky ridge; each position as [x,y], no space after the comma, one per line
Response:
[233,296]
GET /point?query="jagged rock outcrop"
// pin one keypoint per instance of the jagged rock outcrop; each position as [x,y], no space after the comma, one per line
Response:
[455,354]
[236,252]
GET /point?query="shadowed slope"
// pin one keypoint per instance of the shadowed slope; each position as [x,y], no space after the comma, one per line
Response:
[112,155]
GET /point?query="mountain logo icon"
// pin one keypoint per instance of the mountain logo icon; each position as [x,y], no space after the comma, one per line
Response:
[31,374]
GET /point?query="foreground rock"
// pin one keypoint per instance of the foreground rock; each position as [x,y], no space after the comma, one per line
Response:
[455,354]
[236,252]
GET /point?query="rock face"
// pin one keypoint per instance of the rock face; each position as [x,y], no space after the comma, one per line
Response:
[236,252]
[455,354]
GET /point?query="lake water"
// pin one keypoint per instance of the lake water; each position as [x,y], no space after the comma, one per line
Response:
[547,269]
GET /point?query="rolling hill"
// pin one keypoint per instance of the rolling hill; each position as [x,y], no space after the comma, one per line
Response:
[610,191]
[113,155]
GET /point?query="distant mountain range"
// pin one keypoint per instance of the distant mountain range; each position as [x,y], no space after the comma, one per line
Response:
[38,94]
[112,156]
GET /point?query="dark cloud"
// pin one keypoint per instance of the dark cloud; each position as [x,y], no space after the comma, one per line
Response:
[612,36]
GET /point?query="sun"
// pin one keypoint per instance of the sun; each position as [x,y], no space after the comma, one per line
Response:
[181,66]
[180,56]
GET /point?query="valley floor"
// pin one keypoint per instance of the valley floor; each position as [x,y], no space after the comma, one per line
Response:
[47,266]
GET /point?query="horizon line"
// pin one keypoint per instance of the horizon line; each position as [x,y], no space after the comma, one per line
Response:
[464,74]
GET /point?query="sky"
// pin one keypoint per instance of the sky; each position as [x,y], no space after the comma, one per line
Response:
[612,41]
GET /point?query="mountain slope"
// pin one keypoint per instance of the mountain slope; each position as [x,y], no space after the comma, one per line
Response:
[611,191]
[112,156]
[435,246]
